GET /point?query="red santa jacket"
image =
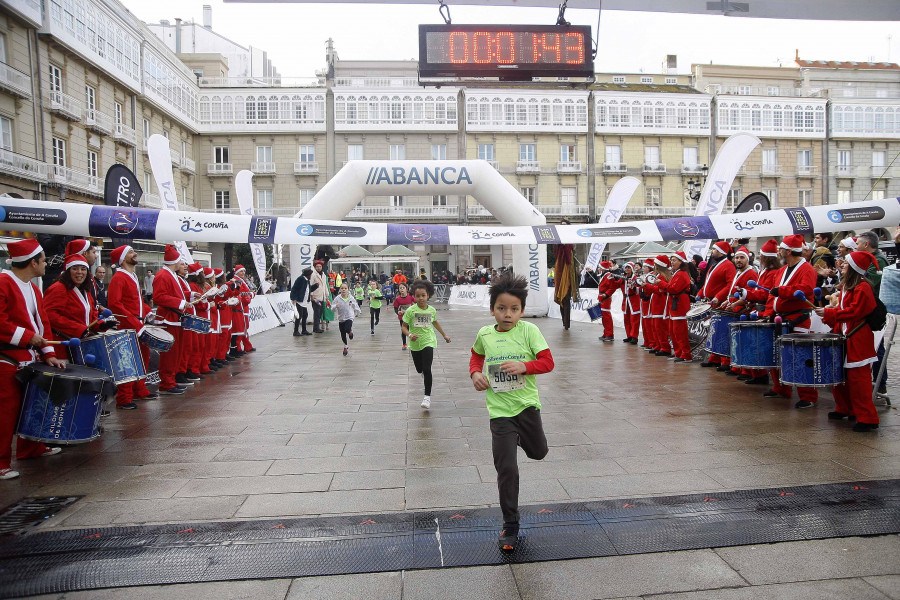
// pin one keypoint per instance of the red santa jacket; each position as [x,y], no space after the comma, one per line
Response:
[738,281]
[855,305]
[213,313]
[657,299]
[125,300]
[224,311]
[646,298]
[201,309]
[719,277]
[18,324]
[246,296]
[169,297]
[70,312]
[631,299]
[767,279]
[605,290]
[677,290]
[802,277]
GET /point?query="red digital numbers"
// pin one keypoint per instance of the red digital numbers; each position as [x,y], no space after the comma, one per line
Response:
[506,48]
[558,48]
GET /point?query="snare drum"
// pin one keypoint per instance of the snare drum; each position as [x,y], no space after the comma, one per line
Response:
[157,338]
[595,312]
[753,345]
[232,302]
[719,340]
[116,352]
[195,323]
[812,359]
[62,406]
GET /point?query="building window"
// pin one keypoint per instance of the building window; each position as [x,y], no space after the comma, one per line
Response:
[355,152]
[119,114]
[530,194]
[877,195]
[486,151]
[744,90]
[439,152]
[146,128]
[264,154]
[265,199]
[220,155]
[223,200]
[618,79]
[184,151]
[398,152]
[305,196]
[147,183]
[651,156]
[734,198]
[165,133]
[614,155]
[689,157]
[184,197]
[439,201]
[769,161]
[567,153]
[3,48]
[90,98]
[843,196]
[646,80]
[804,197]
[307,154]
[397,201]
[55,79]
[804,158]
[653,196]
[772,195]
[843,157]
[773,90]
[527,152]
[568,198]
[93,163]
[878,159]
[59,152]
[6,136]
[671,81]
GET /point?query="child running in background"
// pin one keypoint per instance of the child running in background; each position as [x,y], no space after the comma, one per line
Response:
[375,299]
[359,292]
[345,310]
[505,359]
[419,324]
[401,302]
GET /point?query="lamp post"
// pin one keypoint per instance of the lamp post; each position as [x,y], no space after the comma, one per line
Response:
[695,187]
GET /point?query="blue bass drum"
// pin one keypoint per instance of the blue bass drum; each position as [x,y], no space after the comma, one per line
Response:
[194,323]
[753,345]
[62,406]
[594,312]
[115,352]
[719,340]
[812,359]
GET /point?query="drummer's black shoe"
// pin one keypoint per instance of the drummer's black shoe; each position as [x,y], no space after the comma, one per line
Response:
[709,364]
[182,380]
[773,394]
[864,427]
[764,380]
[129,406]
[634,340]
[743,377]
[723,368]
[172,391]
[230,357]
[151,396]
[664,354]
[104,413]
[191,376]
[804,404]
[839,416]
[626,340]
[254,349]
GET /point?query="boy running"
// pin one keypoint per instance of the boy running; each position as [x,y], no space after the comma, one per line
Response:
[345,310]
[511,353]
[418,325]
[375,299]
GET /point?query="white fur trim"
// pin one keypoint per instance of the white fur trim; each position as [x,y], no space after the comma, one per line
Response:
[17,336]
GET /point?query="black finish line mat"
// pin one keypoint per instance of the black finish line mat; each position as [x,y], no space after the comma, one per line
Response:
[84,559]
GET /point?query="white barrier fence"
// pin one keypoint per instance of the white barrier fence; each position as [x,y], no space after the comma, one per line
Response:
[261,315]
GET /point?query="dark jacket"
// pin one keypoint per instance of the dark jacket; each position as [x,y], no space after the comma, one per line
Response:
[298,290]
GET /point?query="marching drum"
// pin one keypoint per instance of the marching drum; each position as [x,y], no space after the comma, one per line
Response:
[157,338]
[62,406]
[116,352]
[753,345]
[195,323]
[595,312]
[719,340]
[698,326]
[232,302]
[812,359]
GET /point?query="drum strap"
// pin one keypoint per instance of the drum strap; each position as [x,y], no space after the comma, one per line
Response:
[7,358]
[804,315]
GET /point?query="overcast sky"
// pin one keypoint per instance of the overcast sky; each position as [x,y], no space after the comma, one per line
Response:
[294,34]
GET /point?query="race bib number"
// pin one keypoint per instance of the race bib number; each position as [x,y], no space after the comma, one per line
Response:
[504,382]
[422,320]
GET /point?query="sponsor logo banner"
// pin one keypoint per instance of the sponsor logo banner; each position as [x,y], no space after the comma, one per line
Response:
[262,230]
[417,234]
[417,176]
[621,231]
[686,228]
[31,216]
[197,225]
[849,215]
[112,221]
[260,315]
[545,234]
[282,306]
[801,222]
[749,223]
[307,229]
[488,234]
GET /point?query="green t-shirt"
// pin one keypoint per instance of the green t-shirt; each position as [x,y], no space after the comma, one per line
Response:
[419,321]
[360,293]
[373,301]
[521,343]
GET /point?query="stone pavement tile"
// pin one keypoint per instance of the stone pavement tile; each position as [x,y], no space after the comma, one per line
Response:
[263,484]
[798,473]
[264,589]
[617,576]
[279,452]
[374,425]
[816,559]
[332,417]
[641,484]
[448,459]
[443,476]
[371,586]
[316,503]
[450,496]
[530,470]
[883,466]
[246,468]
[438,445]
[794,453]
[430,422]
[484,583]
[726,442]
[121,490]
[161,510]
[200,454]
[335,464]
[367,480]
[374,448]
[834,589]
[428,433]
[346,437]
[887,584]
[684,462]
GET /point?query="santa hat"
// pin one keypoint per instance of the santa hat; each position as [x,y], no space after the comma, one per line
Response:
[794,243]
[680,255]
[770,248]
[218,272]
[849,242]
[21,251]
[78,247]
[743,250]
[195,268]
[319,262]
[606,265]
[629,264]
[118,255]
[239,268]
[208,272]
[74,260]
[661,261]
[648,263]
[723,246]
[860,261]
[171,256]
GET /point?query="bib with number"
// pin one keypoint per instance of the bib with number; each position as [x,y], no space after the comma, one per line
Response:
[504,382]
[422,320]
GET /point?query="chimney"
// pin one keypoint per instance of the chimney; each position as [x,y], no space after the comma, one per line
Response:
[207,16]
[671,64]
[177,36]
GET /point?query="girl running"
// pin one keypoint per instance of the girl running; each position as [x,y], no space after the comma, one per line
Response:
[375,299]
[401,302]
[345,310]
[419,324]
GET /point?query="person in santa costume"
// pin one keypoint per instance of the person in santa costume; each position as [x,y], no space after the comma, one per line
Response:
[631,305]
[197,282]
[607,286]
[719,275]
[795,275]
[678,303]
[70,303]
[646,297]
[658,301]
[759,300]
[744,272]
[225,316]
[212,339]
[246,296]
[184,376]
[170,300]
[89,252]
[853,398]
[24,336]
[127,303]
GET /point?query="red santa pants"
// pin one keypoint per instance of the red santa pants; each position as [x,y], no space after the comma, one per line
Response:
[649,333]
[632,324]
[127,392]
[243,342]
[661,324]
[171,360]
[197,362]
[606,319]
[224,344]
[681,344]
[10,407]
[854,396]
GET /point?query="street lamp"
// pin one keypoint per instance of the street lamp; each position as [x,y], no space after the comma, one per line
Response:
[694,187]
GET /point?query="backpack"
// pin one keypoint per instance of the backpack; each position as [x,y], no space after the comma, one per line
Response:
[877,319]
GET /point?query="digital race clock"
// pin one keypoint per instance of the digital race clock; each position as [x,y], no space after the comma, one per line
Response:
[505,51]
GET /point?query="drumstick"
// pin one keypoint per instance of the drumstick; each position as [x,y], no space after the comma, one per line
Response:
[817,292]
[779,320]
[743,317]
[754,315]
[104,315]
[799,295]
[752,284]
[72,343]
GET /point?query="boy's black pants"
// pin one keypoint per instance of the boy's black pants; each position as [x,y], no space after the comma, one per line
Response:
[525,430]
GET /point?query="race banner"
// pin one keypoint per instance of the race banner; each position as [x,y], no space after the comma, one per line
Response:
[243,186]
[618,199]
[161,165]
[121,189]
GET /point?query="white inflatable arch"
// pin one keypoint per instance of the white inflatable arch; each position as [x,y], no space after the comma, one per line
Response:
[476,178]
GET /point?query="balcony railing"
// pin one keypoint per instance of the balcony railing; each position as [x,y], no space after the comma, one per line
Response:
[22,166]
[844,170]
[151,201]
[615,167]
[691,169]
[14,81]
[770,170]
[263,168]
[306,168]
[568,166]
[264,82]
[563,210]
[97,121]
[880,170]
[664,211]
[124,134]
[528,166]
[188,164]
[658,168]
[219,169]
[74,179]
[176,157]
[750,90]
[807,170]
[418,212]
[494,163]
[65,106]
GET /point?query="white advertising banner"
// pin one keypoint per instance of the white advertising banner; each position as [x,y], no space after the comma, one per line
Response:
[588,299]
[282,305]
[468,295]
[618,199]
[161,165]
[243,187]
[261,316]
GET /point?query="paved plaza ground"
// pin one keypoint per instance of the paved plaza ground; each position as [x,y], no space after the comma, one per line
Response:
[296,429]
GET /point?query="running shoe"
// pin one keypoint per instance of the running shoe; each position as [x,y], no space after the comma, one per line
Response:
[346,350]
[373,331]
[350,335]
[8,474]
[405,347]
[426,402]
[508,538]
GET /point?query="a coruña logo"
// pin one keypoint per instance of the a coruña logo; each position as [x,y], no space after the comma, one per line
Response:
[123,221]
[686,228]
